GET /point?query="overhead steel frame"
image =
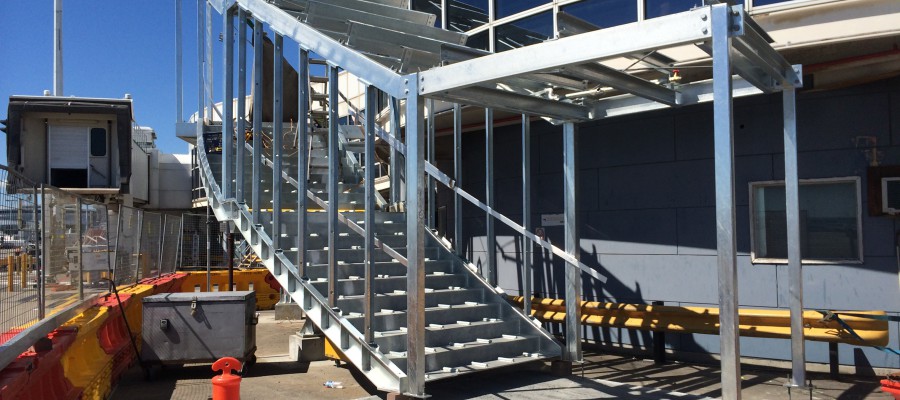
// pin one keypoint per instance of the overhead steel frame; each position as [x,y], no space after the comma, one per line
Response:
[728,29]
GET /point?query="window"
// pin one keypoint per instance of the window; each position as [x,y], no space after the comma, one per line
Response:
[465,15]
[604,13]
[98,142]
[429,6]
[523,32]
[830,223]
[505,8]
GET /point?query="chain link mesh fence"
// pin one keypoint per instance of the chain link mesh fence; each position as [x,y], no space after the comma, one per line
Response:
[151,239]
[128,242]
[19,292]
[171,243]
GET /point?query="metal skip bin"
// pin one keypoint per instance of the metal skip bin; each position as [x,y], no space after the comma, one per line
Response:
[199,327]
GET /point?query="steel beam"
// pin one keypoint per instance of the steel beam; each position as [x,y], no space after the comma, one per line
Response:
[277,139]
[227,101]
[624,82]
[369,302]
[795,266]
[725,213]
[516,102]
[241,128]
[490,268]
[527,273]
[570,25]
[302,157]
[415,240]
[667,31]
[573,248]
[457,174]
[257,117]
[333,175]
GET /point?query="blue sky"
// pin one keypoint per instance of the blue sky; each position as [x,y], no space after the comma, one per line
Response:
[111,47]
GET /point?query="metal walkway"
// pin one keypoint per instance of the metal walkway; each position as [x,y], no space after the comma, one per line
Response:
[397,300]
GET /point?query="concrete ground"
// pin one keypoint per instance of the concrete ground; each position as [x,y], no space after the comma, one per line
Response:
[602,376]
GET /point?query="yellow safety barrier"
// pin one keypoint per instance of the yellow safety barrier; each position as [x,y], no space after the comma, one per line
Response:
[85,363]
[753,322]
[248,279]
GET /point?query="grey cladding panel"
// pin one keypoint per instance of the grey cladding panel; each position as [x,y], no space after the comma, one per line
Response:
[825,123]
[632,232]
[635,141]
[696,231]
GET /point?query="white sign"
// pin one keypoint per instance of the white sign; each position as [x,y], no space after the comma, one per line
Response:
[552,220]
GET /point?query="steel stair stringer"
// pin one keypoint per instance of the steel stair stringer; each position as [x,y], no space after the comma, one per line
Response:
[384,374]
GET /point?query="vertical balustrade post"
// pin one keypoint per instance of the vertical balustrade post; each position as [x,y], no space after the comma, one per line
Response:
[227,102]
[458,171]
[527,273]
[369,306]
[490,269]
[333,188]
[573,248]
[302,157]
[257,118]
[277,146]
[795,265]
[241,129]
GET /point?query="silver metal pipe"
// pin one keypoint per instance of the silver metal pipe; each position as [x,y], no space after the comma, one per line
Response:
[527,273]
[369,306]
[302,157]
[490,268]
[277,146]
[179,78]
[333,195]
[795,265]
[457,172]
[725,217]
[415,240]
[257,118]
[241,128]
[39,240]
[57,48]
[431,207]
[573,247]
[227,101]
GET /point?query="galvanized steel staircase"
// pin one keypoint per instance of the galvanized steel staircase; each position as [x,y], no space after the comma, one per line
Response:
[469,325]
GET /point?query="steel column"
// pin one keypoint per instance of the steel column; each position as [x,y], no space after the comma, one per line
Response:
[302,156]
[415,240]
[209,59]
[795,266]
[241,130]
[257,118]
[333,172]
[41,273]
[430,182]
[490,269]
[277,146]
[162,245]
[526,214]
[395,155]
[201,87]
[725,217]
[227,102]
[573,272]
[457,174]
[369,306]
[179,78]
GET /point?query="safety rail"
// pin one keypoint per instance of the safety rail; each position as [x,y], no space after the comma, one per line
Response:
[754,322]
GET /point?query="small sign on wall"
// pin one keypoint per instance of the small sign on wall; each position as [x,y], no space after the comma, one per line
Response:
[552,220]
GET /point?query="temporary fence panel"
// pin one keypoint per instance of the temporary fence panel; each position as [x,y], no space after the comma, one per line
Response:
[128,240]
[151,240]
[62,275]
[19,291]
[171,243]
[96,263]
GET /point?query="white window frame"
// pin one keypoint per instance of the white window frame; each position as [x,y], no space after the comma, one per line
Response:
[859,227]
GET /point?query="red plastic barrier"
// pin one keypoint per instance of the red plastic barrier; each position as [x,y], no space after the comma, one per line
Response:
[226,386]
[113,334]
[6,336]
[891,386]
[39,375]
[273,283]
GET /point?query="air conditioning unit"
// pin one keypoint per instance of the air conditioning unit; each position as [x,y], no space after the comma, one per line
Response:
[890,195]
